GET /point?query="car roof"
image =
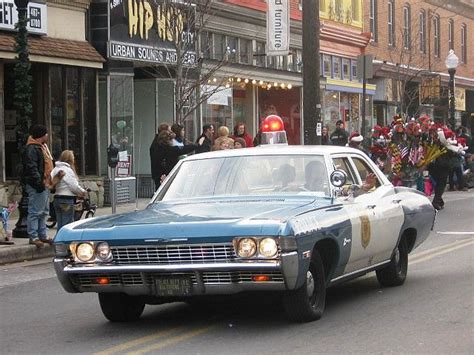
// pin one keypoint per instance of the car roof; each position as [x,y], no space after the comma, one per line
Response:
[276,150]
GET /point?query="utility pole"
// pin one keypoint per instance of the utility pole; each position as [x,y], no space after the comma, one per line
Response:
[311,87]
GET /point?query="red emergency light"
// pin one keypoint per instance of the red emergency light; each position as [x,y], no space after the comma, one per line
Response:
[272,123]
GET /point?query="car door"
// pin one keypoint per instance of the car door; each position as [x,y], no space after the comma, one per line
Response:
[381,216]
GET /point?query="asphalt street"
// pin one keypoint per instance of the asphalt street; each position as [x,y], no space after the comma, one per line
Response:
[432,312]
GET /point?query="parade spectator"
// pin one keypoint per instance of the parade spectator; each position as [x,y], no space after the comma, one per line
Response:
[37,166]
[178,131]
[66,189]
[153,148]
[240,131]
[223,141]
[165,156]
[258,138]
[340,135]
[355,140]
[325,140]
[239,143]
[204,141]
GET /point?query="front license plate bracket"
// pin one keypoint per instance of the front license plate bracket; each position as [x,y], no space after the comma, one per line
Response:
[173,286]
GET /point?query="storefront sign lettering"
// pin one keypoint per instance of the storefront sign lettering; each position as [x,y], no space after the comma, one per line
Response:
[278,27]
[37,16]
[152,31]
[148,54]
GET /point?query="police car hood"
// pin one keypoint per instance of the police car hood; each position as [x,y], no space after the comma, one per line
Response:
[201,217]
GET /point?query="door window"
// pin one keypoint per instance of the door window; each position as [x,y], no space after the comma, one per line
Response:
[364,169]
[344,165]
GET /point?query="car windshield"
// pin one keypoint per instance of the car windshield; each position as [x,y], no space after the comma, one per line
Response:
[248,175]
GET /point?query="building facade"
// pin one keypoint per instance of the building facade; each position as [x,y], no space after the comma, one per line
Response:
[410,41]
[64,93]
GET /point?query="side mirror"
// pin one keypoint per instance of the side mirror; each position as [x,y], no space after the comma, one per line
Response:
[338,178]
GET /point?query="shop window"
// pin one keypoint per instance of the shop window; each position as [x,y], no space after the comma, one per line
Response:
[356,13]
[391,22]
[346,69]
[406,27]
[245,49]
[463,43]
[280,62]
[354,70]
[422,31]
[260,54]
[206,44]
[436,36]
[271,62]
[373,20]
[326,66]
[336,65]
[290,63]
[231,49]
[451,34]
[73,116]
[299,60]
[219,46]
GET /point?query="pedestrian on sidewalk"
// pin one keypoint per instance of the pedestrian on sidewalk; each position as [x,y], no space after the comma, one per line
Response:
[66,189]
[37,166]
[340,135]
[204,141]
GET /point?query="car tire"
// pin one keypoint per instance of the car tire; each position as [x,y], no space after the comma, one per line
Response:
[120,307]
[307,303]
[395,273]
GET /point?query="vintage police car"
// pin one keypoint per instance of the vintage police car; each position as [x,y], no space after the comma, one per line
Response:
[288,219]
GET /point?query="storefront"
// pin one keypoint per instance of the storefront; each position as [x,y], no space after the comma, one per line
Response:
[64,72]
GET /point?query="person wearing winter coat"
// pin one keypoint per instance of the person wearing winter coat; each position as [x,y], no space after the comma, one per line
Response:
[66,189]
[37,164]
[240,131]
[165,156]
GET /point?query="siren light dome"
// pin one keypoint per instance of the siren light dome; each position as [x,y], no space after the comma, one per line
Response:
[272,123]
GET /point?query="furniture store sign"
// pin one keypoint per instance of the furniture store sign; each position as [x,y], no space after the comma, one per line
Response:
[152,31]
[278,27]
[37,17]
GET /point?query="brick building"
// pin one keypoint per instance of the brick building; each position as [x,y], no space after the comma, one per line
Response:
[410,41]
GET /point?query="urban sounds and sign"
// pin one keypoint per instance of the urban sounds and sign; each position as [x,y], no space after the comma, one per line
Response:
[37,17]
[278,27]
[152,31]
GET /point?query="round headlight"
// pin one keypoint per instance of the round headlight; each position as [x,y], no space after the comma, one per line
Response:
[268,247]
[246,248]
[85,252]
[103,251]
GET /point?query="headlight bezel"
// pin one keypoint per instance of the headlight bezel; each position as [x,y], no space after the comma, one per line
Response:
[257,253]
[95,257]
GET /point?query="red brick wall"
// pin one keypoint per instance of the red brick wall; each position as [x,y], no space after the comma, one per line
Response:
[382,51]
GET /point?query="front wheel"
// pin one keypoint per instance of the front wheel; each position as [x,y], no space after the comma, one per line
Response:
[395,273]
[120,307]
[307,303]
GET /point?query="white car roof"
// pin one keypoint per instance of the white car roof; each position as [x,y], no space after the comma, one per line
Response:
[277,150]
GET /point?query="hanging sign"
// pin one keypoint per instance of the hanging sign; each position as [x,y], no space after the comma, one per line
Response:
[278,27]
[152,31]
[37,17]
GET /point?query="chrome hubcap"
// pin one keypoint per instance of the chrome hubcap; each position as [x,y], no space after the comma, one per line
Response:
[309,283]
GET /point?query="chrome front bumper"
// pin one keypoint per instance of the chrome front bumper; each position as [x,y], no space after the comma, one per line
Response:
[207,278]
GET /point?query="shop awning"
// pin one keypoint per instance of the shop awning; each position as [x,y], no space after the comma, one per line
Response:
[54,51]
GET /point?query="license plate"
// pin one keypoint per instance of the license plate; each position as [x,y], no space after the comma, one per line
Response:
[173,286]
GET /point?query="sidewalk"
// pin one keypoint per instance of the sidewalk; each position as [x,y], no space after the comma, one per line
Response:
[22,251]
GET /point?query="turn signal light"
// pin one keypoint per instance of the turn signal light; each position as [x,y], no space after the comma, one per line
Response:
[261,278]
[102,280]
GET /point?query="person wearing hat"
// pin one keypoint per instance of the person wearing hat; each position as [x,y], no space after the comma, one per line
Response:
[339,136]
[37,166]
[355,140]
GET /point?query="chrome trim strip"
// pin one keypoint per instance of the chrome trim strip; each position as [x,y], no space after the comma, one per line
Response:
[366,269]
[269,265]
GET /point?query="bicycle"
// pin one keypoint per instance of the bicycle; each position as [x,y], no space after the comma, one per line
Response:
[81,206]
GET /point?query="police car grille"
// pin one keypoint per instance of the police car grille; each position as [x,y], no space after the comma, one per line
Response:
[219,277]
[173,254]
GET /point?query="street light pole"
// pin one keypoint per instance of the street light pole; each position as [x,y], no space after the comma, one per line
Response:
[22,103]
[311,88]
[451,63]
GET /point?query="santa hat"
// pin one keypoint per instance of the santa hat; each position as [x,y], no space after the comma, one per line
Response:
[355,137]
[376,131]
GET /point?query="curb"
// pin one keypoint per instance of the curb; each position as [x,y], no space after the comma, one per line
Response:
[20,253]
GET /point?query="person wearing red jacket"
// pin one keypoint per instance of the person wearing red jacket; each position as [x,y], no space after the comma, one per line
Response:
[240,131]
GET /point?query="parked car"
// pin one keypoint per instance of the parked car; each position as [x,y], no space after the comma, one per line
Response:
[290,219]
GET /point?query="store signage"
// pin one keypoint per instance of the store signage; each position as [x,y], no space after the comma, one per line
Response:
[152,31]
[37,16]
[278,27]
